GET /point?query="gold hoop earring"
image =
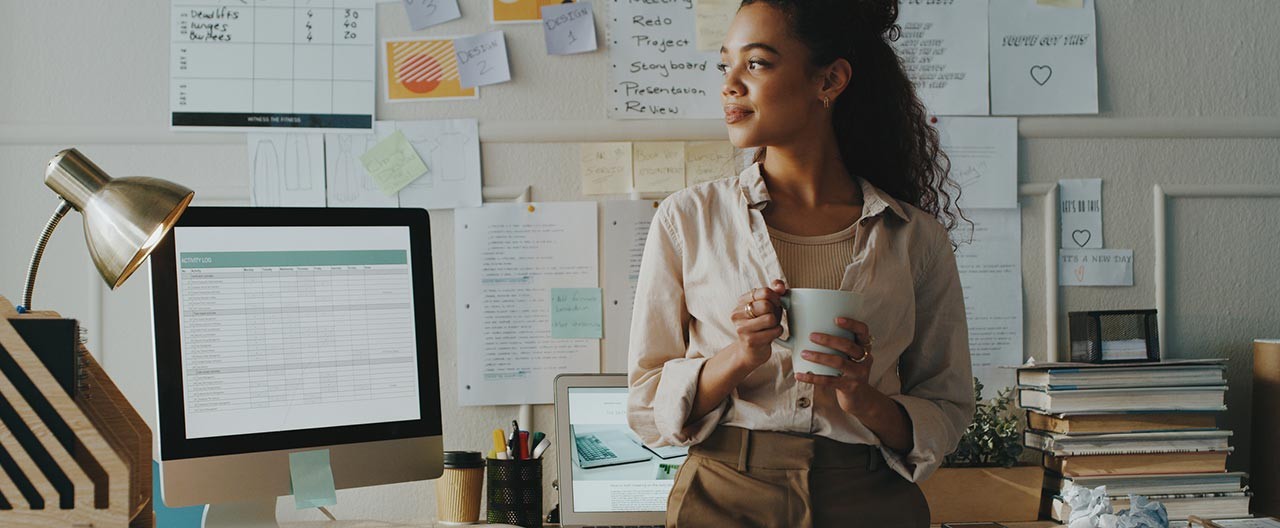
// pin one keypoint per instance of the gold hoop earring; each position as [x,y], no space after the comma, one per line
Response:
[826,102]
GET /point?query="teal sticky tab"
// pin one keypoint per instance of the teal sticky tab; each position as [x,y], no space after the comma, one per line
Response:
[312,479]
[576,313]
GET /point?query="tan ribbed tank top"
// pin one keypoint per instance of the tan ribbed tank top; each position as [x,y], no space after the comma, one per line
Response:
[814,261]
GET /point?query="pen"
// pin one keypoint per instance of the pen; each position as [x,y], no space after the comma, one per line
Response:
[536,439]
[542,447]
[498,443]
[513,441]
[524,445]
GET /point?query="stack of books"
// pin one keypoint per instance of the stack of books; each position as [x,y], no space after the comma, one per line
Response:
[1137,428]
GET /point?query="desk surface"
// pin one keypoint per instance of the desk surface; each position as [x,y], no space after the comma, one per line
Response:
[380,524]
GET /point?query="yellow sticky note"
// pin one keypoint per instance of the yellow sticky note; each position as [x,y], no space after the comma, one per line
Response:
[393,163]
[1061,3]
[606,168]
[659,166]
[712,18]
[708,160]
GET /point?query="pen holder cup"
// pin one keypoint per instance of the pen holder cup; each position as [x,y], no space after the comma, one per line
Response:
[515,492]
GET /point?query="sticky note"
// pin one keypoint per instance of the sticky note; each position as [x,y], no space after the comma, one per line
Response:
[426,13]
[1095,267]
[707,160]
[659,166]
[712,18]
[569,28]
[1061,3]
[393,163]
[1080,213]
[606,168]
[575,313]
[312,479]
[482,59]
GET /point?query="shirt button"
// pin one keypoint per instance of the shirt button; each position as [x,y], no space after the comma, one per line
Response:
[803,402]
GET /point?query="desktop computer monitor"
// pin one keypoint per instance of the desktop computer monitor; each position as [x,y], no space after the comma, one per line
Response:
[279,330]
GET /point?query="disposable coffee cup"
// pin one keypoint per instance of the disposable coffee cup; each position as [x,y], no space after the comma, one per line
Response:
[810,310]
[458,489]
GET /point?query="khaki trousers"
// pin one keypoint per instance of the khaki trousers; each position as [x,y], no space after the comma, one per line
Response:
[744,478]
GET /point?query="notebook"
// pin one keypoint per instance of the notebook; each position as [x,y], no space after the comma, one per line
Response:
[609,477]
[1127,443]
[1137,464]
[1130,399]
[1098,423]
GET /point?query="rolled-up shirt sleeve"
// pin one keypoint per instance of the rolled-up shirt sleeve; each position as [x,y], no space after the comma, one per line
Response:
[937,379]
[662,371]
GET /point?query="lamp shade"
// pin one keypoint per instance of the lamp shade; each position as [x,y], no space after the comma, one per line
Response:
[124,218]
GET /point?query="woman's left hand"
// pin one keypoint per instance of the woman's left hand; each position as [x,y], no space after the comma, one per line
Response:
[852,381]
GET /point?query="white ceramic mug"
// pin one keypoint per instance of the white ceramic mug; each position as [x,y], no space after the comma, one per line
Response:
[810,310]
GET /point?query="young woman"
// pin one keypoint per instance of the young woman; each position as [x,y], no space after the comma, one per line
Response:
[847,193]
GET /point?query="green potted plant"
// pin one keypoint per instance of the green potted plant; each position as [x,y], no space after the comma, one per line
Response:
[983,480]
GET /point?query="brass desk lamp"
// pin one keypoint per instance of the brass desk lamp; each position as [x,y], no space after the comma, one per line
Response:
[124,218]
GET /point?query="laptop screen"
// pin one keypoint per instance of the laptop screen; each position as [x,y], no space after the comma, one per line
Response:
[612,471]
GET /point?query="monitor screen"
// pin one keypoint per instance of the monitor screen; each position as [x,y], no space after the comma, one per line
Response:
[293,328]
[288,328]
[612,469]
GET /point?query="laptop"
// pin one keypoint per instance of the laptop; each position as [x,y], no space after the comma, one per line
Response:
[610,478]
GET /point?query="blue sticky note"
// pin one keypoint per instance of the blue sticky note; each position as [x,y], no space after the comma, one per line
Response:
[576,313]
[312,479]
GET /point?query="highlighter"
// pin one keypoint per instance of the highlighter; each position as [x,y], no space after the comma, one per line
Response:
[499,442]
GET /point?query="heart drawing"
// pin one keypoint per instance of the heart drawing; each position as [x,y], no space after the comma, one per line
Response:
[1041,74]
[1080,234]
[1080,273]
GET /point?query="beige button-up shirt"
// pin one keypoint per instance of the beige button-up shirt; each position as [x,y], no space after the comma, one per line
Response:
[709,244]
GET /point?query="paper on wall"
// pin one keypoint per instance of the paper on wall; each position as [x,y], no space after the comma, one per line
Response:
[426,13]
[347,183]
[1080,213]
[286,170]
[1044,59]
[626,227]
[569,28]
[944,49]
[659,166]
[712,18]
[708,160]
[249,66]
[1095,267]
[451,150]
[991,276]
[655,70]
[422,69]
[606,168]
[482,59]
[576,313]
[984,159]
[509,257]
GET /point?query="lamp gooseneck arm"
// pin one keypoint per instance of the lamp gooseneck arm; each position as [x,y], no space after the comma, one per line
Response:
[58,213]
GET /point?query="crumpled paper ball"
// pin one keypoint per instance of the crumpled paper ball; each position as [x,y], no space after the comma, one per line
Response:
[1091,508]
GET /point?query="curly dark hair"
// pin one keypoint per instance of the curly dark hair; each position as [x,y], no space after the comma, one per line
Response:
[881,126]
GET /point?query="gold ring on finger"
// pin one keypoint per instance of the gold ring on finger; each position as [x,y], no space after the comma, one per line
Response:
[751,311]
[865,353]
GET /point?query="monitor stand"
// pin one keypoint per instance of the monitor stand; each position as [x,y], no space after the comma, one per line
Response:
[251,514]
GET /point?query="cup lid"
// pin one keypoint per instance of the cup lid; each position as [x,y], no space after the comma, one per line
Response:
[463,459]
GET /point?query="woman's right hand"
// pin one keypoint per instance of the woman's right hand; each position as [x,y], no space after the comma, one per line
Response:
[758,318]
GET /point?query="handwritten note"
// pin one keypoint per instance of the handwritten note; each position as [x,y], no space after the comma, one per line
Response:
[311,478]
[393,164]
[482,59]
[606,168]
[569,28]
[655,70]
[426,13]
[712,19]
[708,160]
[576,313]
[659,166]
[1095,267]
[1080,210]
[1044,59]
[944,49]
[984,159]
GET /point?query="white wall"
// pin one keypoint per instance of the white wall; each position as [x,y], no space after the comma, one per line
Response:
[1189,94]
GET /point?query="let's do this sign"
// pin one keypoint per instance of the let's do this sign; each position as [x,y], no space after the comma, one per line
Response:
[1044,59]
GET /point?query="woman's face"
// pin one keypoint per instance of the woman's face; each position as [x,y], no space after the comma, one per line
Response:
[771,94]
